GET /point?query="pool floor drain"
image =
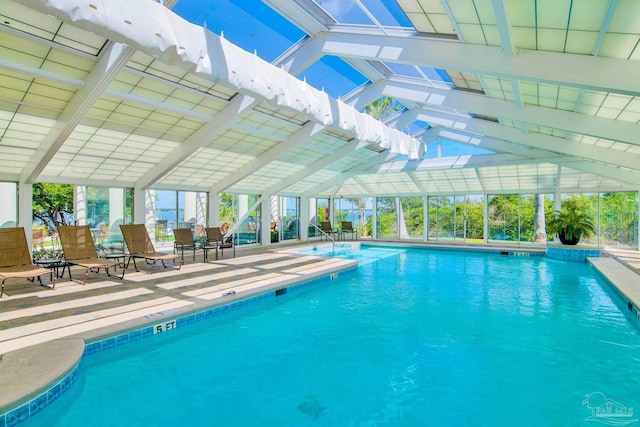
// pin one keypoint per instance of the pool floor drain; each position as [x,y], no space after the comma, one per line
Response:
[312,407]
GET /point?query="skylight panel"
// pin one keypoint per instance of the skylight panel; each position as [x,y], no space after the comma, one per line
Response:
[249,24]
[333,75]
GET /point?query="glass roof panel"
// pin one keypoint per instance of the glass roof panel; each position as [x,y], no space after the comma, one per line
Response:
[386,13]
[249,24]
[333,75]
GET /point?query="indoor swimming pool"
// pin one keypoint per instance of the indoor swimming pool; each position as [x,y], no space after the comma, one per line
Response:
[412,337]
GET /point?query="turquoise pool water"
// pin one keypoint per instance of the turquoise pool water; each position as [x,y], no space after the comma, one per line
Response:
[419,338]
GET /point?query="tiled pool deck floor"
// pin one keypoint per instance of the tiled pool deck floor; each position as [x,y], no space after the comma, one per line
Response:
[31,314]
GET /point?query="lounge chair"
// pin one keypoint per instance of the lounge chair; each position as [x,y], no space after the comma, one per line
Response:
[327,230]
[347,227]
[215,240]
[37,238]
[184,240]
[15,259]
[79,249]
[139,245]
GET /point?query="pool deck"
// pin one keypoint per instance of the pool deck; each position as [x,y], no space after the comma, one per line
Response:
[43,331]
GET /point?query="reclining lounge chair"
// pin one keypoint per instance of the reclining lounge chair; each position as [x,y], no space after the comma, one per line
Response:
[139,245]
[79,249]
[184,240]
[215,240]
[15,258]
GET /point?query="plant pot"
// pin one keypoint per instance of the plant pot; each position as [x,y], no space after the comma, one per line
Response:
[566,241]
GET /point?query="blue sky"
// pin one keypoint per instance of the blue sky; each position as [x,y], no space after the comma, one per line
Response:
[253,26]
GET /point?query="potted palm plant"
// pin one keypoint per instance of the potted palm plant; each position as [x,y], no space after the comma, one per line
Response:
[571,223]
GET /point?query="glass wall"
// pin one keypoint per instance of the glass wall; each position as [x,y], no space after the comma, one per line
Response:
[615,216]
[387,217]
[319,211]
[619,219]
[235,207]
[178,209]
[456,217]
[474,218]
[106,209]
[358,211]
[511,216]
[411,218]
[289,212]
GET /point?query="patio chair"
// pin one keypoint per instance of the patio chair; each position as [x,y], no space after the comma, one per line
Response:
[184,240]
[37,238]
[139,245]
[327,230]
[347,227]
[215,240]
[79,249]
[200,233]
[15,259]
[161,229]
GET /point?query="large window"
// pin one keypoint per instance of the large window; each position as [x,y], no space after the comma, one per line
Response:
[511,216]
[178,209]
[106,209]
[235,210]
[619,219]
[387,217]
[319,211]
[290,214]
[411,218]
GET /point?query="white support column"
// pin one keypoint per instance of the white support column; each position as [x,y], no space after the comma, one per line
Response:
[638,226]
[201,208]
[25,208]
[303,220]
[243,208]
[425,209]
[80,204]
[214,210]
[148,212]
[275,211]
[116,209]
[265,218]
[140,205]
[374,232]
[9,213]
[190,209]
[485,226]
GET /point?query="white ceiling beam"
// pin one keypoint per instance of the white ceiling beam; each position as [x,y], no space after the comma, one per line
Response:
[503,21]
[417,183]
[362,184]
[455,162]
[535,140]
[321,163]
[38,73]
[582,124]
[112,60]
[300,56]
[630,179]
[236,109]
[299,137]
[497,145]
[564,69]
[366,166]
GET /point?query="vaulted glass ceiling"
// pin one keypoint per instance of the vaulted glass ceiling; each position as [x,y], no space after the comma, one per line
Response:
[507,96]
